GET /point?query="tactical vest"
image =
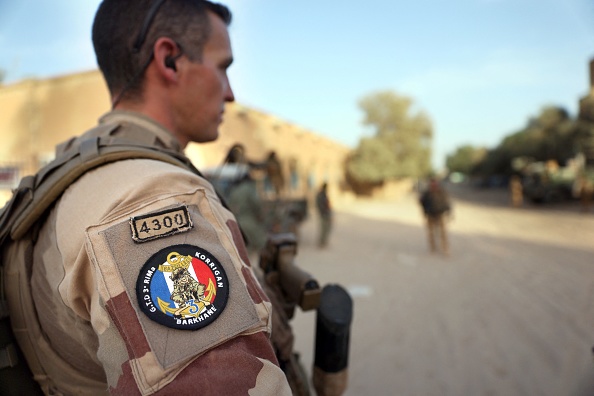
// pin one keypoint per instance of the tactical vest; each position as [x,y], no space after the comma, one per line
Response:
[20,221]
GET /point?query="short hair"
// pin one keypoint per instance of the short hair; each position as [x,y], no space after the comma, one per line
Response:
[117,27]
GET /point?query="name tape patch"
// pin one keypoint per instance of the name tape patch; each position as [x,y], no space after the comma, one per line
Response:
[183,287]
[160,224]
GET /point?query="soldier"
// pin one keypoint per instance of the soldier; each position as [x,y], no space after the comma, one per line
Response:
[515,189]
[236,154]
[436,204]
[186,288]
[246,204]
[586,191]
[102,284]
[274,173]
[325,213]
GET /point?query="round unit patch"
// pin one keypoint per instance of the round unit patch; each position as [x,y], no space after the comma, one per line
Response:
[182,287]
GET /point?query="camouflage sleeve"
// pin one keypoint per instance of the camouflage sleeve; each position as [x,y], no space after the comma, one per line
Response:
[157,331]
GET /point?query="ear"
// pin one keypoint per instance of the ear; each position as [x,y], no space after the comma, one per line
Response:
[166,52]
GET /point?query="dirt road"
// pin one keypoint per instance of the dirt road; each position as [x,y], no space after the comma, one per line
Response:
[510,312]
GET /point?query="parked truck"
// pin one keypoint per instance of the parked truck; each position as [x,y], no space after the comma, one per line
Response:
[547,182]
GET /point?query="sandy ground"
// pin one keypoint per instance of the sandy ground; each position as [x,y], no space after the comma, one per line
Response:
[510,312]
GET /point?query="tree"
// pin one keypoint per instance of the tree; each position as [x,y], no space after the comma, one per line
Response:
[401,144]
[465,159]
[550,135]
[557,132]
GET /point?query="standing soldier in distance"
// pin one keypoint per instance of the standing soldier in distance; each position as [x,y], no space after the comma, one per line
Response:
[325,212]
[165,63]
[586,191]
[516,191]
[274,173]
[435,203]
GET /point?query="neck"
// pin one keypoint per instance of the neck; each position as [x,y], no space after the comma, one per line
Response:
[158,110]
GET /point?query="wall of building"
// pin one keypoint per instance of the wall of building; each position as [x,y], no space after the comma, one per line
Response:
[39,114]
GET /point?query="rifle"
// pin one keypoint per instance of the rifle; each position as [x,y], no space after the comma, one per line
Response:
[288,286]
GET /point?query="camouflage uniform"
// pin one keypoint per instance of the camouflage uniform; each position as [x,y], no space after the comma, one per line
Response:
[274,173]
[436,204]
[586,191]
[515,186]
[247,207]
[325,213]
[88,274]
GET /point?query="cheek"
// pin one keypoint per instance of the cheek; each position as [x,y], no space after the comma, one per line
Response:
[216,83]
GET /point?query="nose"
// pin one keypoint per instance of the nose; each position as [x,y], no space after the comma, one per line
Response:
[229,96]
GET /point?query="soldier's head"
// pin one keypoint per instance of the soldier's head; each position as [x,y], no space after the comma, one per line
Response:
[171,53]
[434,184]
[236,154]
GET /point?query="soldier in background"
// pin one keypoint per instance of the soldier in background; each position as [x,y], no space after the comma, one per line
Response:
[325,212]
[515,189]
[236,154]
[436,205]
[586,191]
[246,205]
[275,174]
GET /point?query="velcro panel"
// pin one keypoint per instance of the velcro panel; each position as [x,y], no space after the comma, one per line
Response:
[121,260]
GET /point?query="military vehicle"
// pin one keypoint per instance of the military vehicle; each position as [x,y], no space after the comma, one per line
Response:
[547,182]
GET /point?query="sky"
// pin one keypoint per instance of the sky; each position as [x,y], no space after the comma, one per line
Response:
[478,68]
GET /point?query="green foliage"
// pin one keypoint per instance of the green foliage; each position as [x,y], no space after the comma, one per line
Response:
[401,143]
[551,135]
[465,159]
[584,133]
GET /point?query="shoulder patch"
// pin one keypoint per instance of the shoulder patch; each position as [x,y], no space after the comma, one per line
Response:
[183,287]
[160,224]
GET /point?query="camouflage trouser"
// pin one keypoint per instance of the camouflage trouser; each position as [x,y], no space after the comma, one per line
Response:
[436,225]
